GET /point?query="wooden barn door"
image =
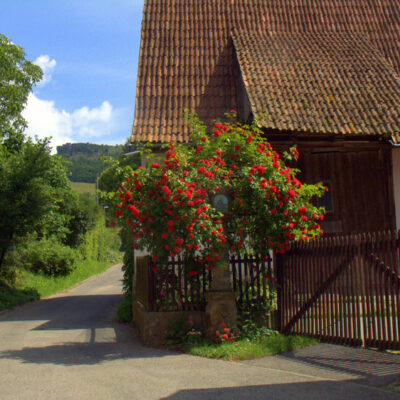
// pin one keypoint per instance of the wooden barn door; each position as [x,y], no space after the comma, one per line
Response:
[360,188]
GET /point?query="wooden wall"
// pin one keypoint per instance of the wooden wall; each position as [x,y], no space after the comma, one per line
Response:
[360,175]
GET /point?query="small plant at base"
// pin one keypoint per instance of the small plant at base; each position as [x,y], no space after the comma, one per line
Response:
[182,331]
[250,329]
[194,336]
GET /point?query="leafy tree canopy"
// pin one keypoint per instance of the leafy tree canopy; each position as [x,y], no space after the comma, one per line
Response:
[35,193]
[17,76]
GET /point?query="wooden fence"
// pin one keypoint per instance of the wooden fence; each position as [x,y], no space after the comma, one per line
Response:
[171,288]
[343,289]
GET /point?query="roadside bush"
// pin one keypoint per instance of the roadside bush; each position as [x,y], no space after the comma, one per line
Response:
[100,243]
[50,257]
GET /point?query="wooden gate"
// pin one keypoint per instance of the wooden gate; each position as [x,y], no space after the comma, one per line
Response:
[343,289]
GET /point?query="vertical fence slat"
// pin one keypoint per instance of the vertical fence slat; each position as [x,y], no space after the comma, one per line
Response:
[396,330]
[344,288]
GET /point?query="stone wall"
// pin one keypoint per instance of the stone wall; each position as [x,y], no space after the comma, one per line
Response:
[153,325]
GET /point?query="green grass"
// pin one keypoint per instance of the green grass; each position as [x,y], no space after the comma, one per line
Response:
[30,286]
[11,296]
[245,349]
[83,187]
[47,285]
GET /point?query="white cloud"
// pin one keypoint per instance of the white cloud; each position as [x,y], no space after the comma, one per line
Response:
[84,124]
[47,66]
[98,124]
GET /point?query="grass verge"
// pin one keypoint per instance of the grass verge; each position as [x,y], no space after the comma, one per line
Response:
[245,349]
[30,286]
[11,296]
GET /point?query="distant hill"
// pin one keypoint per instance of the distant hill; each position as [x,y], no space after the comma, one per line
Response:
[86,159]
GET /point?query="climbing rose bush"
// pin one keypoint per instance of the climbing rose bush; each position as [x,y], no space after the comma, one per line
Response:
[167,204]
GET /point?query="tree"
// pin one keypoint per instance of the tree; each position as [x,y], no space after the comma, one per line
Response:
[24,194]
[17,77]
[168,205]
[35,193]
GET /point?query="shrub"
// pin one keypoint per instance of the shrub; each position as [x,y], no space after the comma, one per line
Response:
[50,257]
[172,207]
[124,312]
[100,243]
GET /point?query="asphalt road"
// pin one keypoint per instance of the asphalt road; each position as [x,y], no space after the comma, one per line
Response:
[68,347]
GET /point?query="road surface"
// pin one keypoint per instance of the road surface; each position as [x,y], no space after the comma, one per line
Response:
[68,347]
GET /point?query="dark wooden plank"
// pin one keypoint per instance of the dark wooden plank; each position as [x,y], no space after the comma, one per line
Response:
[363,288]
[386,277]
[307,282]
[239,267]
[341,299]
[336,300]
[353,290]
[234,272]
[369,282]
[312,288]
[247,277]
[321,264]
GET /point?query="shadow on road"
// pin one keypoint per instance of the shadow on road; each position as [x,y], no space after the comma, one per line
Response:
[300,390]
[91,316]
[82,353]
[376,367]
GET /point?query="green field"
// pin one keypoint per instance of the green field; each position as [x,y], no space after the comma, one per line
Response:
[83,187]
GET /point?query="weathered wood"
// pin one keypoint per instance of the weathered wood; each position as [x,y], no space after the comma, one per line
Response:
[351,296]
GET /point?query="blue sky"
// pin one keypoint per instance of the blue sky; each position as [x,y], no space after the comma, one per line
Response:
[89,52]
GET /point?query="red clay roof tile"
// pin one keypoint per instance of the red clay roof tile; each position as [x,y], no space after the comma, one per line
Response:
[187,60]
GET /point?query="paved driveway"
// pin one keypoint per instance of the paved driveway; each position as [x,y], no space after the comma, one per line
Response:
[68,347]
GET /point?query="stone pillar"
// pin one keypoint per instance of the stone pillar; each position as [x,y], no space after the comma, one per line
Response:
[221,299]
[221,307]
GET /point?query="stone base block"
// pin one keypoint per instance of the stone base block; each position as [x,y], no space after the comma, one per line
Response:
[153,325]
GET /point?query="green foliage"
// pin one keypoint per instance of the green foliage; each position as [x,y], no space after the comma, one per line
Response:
[49,257]
[124,312]
[100,243]
[25,195]
[85,159]
[11,296]
[118,170]
[250,328]
[17,76]
[36,197]
[108,183]
[46,285]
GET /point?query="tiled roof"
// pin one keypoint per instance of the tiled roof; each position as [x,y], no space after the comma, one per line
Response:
[318,83]
[187,58]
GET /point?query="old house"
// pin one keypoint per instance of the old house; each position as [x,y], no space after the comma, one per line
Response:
[322,74]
